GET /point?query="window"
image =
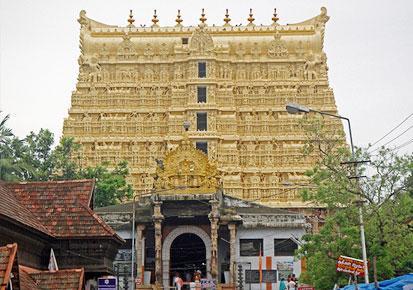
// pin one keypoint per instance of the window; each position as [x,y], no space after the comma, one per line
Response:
[184,40]
[202,94]
[250,247]
[202,69]
[203,146]
[201,121]
[284,247]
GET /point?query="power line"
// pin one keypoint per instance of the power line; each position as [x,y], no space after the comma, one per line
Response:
[402,145]
[401,134]
[387,134]
[398,147]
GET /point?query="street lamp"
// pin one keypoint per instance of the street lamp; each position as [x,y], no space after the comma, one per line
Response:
[293,108]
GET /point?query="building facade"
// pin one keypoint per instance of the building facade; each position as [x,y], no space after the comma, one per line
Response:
[187,225]
[138,85]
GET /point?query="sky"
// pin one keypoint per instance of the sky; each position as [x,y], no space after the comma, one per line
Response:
[369,46]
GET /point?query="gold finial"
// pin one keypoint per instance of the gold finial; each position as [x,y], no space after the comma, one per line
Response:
[130,19]
[227,19]
[274,17]
[251,18]
[203,18]
[155,19]
[178,19]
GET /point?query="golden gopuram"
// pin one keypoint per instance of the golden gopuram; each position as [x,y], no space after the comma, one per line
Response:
[138,85]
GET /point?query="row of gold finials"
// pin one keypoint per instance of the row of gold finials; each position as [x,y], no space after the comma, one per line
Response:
[203,19]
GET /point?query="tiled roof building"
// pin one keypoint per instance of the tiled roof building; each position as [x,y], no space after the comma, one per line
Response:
[62,207]
[25,278]
[71,279]
[7,255]
[39,216]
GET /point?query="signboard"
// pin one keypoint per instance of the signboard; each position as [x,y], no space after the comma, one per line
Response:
[306,287]
[350,265]
[284,269]
[109,283]
[206,283]
[253,276]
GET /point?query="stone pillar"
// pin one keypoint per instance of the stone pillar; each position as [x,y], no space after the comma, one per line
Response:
[214,219]
[139,251]
[157,220]
[232,251]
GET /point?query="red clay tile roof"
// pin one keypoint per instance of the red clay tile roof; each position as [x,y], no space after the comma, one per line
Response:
[26,282]
[11,208]
[60,280]
[70,279]
[7,255]
[62,207]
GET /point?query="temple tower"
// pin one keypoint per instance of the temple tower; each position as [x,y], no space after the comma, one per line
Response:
[138,85]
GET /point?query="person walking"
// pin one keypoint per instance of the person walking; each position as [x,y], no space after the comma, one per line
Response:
[291,284]
[178,281]
[282,284]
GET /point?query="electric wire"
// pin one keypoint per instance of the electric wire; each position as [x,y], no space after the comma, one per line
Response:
[398,136]
[388,133]
[402,145]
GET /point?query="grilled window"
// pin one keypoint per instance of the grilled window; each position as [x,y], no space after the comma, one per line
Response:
[202,94]
[250,247]
[201,121]
[203,146]
[202,69]
[284,247]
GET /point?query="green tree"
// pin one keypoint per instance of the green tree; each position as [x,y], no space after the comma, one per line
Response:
[66,160]
[387,210]
[11,167]
[34,158]
[39,154]
[5,132]
[111,185]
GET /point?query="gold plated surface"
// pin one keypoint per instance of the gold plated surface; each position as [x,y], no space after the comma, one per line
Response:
[137,85]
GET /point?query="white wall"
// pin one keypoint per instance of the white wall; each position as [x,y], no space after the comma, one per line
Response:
[268,235]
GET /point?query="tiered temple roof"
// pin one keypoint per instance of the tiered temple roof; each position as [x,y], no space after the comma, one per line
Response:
[137,85]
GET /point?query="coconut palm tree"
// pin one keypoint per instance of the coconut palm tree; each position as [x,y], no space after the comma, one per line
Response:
[5,133]
[9,170]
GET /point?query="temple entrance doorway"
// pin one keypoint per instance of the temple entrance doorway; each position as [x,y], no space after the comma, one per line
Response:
[188,254]
[167,272]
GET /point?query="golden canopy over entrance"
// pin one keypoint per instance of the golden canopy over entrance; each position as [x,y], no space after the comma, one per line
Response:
[186,169]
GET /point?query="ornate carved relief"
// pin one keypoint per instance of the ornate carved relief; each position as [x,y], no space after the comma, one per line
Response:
[187,167]
[134,93]
[201,41]
[277,47]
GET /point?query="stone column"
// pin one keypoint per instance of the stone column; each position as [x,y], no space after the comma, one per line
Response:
[157,220]
[139,251]
[232,251]
[214,219]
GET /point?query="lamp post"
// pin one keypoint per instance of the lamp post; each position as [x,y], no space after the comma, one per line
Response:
[293,108]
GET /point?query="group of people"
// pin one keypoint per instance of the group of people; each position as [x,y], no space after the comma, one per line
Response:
[178,282]
[291,284]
